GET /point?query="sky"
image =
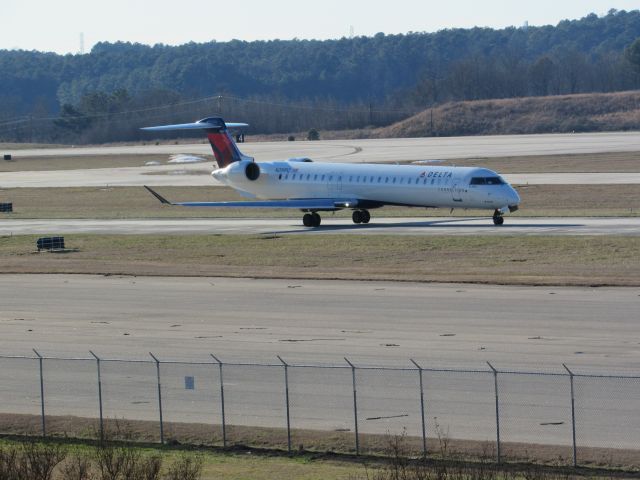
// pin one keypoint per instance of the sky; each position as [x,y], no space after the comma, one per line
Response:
[57,26]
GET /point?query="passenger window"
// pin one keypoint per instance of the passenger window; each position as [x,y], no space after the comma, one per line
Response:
[308,176]
[379,179]
[394,179]
[286,177]
[350,179]
[315,177]
[280,177]
[323,178]
[386,180]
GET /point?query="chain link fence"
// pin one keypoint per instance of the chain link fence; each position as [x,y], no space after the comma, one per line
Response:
[565,418]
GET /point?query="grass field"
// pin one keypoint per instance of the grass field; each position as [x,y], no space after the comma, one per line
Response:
[583,260]
[575,163]
[81,162]
[136,202]
[628,162]
[241,464]
[310,447]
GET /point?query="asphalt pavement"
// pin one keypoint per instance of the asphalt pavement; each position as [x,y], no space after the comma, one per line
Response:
[343,226]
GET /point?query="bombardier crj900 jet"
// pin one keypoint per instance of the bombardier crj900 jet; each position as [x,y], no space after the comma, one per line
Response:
[311,187]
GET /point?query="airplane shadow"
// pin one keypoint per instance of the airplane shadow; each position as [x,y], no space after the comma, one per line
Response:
[449,223]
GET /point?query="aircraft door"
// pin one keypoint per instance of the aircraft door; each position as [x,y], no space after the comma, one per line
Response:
[458,189]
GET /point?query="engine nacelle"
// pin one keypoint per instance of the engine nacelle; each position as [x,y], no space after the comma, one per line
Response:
[246,171]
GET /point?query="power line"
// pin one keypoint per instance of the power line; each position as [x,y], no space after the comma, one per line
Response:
[292,106]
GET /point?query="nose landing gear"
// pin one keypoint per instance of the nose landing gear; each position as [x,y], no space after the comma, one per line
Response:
[311,220]
[361,216]
[498,219]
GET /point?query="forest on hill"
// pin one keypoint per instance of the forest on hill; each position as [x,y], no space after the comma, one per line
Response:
[291,85]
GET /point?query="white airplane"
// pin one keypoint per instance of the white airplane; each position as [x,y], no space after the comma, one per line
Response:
[327,187]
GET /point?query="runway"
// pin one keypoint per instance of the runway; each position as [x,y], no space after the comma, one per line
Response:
[245,319]
[343,226]
[388,150]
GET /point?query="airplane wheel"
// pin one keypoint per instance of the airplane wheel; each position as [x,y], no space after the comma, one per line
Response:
[307,220]
[366,216]
[357,216]
[499,220]
[316,220]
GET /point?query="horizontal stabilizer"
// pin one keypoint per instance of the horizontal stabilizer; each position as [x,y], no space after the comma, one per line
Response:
[211,123]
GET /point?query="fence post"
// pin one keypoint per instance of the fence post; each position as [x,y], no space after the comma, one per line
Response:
[159,396]
[224,423]
[44,425]
[286,393]
[355,403]
[573,417]
[424,426]
[99,395]
[495,383]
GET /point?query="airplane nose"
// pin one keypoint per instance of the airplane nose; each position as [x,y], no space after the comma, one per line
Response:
[514,198]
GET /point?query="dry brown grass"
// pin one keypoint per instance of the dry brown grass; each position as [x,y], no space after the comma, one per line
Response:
[625,162]
[530,260]
[136,202]
[567,113]
[79,162]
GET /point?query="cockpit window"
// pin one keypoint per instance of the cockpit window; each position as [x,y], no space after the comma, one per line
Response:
[494,181]
[486,181]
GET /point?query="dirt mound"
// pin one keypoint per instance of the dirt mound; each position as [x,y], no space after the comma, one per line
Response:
[556,114]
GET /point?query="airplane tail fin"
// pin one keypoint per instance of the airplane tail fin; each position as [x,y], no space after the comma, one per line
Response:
[224,148]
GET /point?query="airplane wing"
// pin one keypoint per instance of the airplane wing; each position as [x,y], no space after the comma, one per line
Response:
[301,203]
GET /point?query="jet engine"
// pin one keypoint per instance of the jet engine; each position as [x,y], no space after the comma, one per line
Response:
[252,171]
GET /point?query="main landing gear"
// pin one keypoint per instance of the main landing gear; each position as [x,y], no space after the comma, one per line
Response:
[361,216]
[498,219]
[311,219]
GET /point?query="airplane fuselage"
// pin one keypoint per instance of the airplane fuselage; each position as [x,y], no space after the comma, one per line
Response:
[410,185]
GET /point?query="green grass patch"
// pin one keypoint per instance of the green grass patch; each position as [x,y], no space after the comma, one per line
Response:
[232,465]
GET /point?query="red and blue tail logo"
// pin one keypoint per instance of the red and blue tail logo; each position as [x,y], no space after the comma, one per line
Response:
[224,148]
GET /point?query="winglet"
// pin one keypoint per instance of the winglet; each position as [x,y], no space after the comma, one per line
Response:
[158,196]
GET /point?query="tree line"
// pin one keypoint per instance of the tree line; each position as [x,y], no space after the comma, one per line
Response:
[282,86]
